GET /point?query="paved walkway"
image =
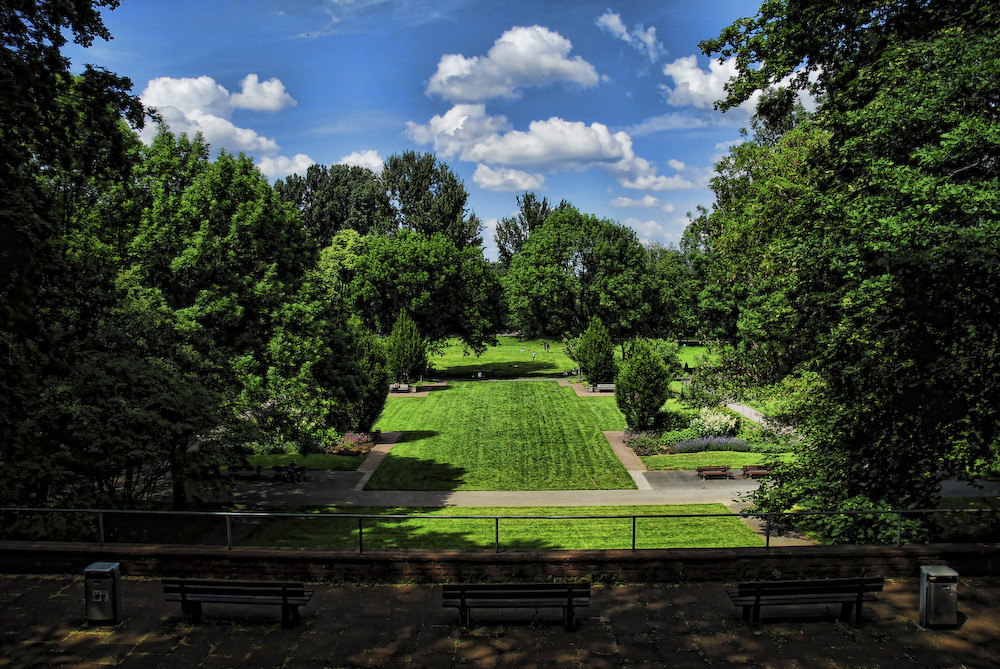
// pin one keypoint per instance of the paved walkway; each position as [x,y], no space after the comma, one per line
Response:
[689,625]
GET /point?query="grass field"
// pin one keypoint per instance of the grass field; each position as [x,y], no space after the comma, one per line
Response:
[534,534]
[709,459]
[511,435]
[512,359]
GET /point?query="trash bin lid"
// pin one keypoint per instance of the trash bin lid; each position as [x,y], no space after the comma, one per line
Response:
[939,572]
[101,567]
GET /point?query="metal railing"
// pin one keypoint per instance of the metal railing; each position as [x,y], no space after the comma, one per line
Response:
[768,519]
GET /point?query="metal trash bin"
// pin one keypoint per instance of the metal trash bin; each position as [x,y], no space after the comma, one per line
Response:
[938,596]
[103,592]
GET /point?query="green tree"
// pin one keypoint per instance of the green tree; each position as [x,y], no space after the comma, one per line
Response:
[512,233]
[406,350]
[339,197]
[887,269]
[429,198]
[573,268]
[595,353]
[642,386]
[447,290]
[374,364]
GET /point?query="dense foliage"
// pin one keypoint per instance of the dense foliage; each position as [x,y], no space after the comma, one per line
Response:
[858,246]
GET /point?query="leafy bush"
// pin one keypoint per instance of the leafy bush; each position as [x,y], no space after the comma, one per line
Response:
[641,386]
[712,444]
[642,442]
[715,423]
[351,443]
[668,420]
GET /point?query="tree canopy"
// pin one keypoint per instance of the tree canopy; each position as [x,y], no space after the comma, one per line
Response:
[865,239]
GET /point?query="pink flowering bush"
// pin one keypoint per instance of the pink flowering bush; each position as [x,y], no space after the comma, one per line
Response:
[351,443]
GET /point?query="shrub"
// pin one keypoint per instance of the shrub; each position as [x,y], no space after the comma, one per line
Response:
[642,443]
[712,444]
[715,423]
[668,420]
[595,354]
[641,386]
[351,443]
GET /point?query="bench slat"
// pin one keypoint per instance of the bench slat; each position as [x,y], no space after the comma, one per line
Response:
[848,592]
[566,596]
[192,594]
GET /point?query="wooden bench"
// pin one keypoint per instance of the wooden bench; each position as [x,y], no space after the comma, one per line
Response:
[850,593]
[715,472]
[249,472]
[755,471]
[400,388]
[566,596]
[602,387]
[192,594]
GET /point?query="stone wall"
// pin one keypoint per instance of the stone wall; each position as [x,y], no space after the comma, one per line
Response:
[642,566]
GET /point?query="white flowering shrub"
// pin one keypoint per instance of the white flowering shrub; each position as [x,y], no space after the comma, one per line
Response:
[714,423]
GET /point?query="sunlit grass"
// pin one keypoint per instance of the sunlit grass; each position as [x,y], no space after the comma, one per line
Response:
[480,532]
[511,435]
[735,459]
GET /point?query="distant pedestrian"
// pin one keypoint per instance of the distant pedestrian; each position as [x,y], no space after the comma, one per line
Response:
[532,355]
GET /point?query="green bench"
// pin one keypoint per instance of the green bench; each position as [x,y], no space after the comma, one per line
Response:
[850,593]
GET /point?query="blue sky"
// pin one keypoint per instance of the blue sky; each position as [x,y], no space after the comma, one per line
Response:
[606,105]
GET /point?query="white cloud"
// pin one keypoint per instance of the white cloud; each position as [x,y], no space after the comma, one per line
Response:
[507,180]
[695,87]
[281,166]
[522,57]
[369,159]
[642,39]
[192,105]
[552,144]
[666,122]
[645,202]
[267,96]
[648,231]
[468,133]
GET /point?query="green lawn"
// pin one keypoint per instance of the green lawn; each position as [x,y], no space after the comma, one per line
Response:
[512,359]
[710,458]
[533,534]
[312,461]
[506,361]
[510,435]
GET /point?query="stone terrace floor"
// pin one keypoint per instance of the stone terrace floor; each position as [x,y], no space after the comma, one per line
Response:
[43,624]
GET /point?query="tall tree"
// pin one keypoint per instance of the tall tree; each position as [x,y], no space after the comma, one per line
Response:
[890,263]
[574,268]
[339,197]
[642,386]
[512,233]
[447,290]
[596,354]
[429,198]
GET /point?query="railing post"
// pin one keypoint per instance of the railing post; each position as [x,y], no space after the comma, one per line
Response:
[361,535]
[767,532]
[229,532]
[100,526]
[899,528]
[496,533]
[633,534]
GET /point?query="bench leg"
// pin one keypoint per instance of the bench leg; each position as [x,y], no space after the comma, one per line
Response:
[464,617]
[191,612]
[568,622]
[289,615]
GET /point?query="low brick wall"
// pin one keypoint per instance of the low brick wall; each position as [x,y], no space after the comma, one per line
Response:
[643,566]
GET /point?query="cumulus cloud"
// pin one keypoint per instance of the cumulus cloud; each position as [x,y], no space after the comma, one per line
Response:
[524,56]
[645,202]
[269,95]
[507,180]
[469,133]
[192,105]
[369,159]
[640,38]
[696,87]
[648,231]
[281,166]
